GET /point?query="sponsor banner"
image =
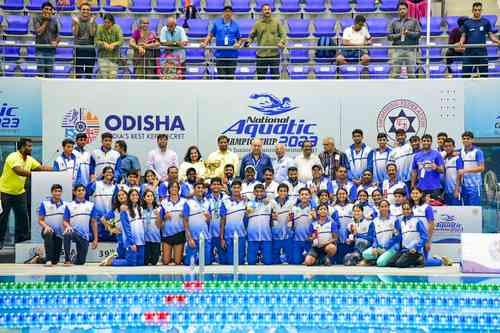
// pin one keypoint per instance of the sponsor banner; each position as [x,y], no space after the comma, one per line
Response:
[20,107]
[197,112]
[482,115]
[481,253]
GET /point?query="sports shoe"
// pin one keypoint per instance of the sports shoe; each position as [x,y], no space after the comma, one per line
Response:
[447,261]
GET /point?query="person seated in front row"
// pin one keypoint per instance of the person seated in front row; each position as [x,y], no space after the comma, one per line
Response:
[323,234]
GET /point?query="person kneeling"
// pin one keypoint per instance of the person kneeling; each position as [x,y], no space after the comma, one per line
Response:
[323,234]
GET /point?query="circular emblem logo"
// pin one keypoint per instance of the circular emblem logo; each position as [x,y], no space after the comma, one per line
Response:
[80,120]
[401,114]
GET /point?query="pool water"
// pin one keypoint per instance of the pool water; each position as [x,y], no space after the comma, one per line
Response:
[274,304]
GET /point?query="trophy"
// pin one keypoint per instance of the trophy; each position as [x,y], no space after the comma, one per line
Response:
[211,166]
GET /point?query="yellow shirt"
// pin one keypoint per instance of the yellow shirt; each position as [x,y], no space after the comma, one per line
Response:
[10,182]
[225,158]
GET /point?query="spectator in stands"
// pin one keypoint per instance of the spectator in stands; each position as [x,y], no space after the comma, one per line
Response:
[108,40]
[257,159]
[125,163]
[103,157]
[268,31]
[473,158]
[306,161]
[455,53]
[331,158]
[83,159]
[225,157]
[280,165]
[84,30]
[417,8]
[474,31]
[17,167]
[227,33]
[356,35]
[46,28]
[404,31]
[192,159]
[428,164]
[145,44]
[175,38]
[161,158]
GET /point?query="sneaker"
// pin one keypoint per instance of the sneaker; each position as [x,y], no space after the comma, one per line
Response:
[447,261]
[107,261]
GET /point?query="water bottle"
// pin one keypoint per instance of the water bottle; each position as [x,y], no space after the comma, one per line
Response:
[192,264]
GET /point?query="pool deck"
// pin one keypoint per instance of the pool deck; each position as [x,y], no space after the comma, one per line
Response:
[94,269]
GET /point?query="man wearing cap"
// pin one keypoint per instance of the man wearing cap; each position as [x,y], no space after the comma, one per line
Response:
[248,182]
[319,182]
[256,158]
[305,162]
[227,33]
[280,165]
[293,183]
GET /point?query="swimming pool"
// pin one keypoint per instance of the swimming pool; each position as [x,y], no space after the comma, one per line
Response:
[218,303]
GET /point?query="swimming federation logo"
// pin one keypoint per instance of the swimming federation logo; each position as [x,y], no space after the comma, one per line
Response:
[271,105]
[402,114]
[80,120]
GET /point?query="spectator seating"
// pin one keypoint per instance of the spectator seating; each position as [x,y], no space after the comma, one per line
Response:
[493,20]
[154,24]
[344,23]
[195,72]
[494,69]
[298,72]
[436,71]
[241,6]
[214,6]
[35,5]
[314,6]
[29,69]
[365,6]
[324,27]
[141,6]
[340,6]
[247,55]
[325,72]
[9,69]
[456,70]
[377,26]
[126,23]
[65,23]
[113,9]
[12,5]
[492,51]
[245,72]
[379,71]
[389,5]
[290,6]
[435,25]
[260,3]
[10,51]
[451,22]
[195,3]
[68,8]
[165,6]
[299,55]
[17,25]
[64,53]
[198,28]
[298,28]
[62,71]
[350,71]
[195,55]
[435,53]
[245,26]
[378,54]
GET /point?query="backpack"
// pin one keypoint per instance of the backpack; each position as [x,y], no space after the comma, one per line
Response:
[326,54]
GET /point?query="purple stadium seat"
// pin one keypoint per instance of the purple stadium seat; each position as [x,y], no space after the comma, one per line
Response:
[62,71]
[350,71]
[245,72]
[377,26]
[325,72]
[246,26]
[365,6]
[35,5]
[378,54]
[379,71]
[314,6]
[340,6]
[212,72]
[17,25]
[435,25]
[452,22]
[195,72]
[96,7]
[492,51]
[28,69]
[165,6]
[153,24]
[69,8]
[141,6]
[180,21]
[298,28]
[9,69]
[494,69]
[247,55]
[435,53]
[456,69]
[12,5]
[260,3]
[324,27]
[389,5]
[298,72]
[299,55]
[64,53]
[10,51]
[290,6]
[197,28]
[114,9]
[214,6]
[126,23]
[344,23]
[493,20]
[437,71]
[241,6]
[66,25]
[195,56]
[195,3]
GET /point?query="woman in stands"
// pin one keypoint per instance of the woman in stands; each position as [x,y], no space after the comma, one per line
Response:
[145,44]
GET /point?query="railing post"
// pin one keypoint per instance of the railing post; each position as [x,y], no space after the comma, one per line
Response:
[428,41]
[236,255]
[201,256]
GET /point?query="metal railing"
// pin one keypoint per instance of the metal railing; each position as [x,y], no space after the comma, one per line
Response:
[294,61]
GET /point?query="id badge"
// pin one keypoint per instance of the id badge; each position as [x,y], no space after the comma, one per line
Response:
[226,40]
[422,172]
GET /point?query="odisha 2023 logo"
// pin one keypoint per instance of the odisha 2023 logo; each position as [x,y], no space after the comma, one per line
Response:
[274,127]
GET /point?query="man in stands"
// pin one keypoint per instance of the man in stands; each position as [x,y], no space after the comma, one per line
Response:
[356,35]
[331,158]
[161,158]
[455,53]
[404,31]
[268,32]
[84,29]
[256,158]
[46,30]
[108,39]
[227,33]
[174,36]
[474,31]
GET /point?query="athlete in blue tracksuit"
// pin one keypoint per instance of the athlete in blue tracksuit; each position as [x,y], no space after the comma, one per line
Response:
[303,213]
[259,211]
[232,216]
[282,234]
[413,239]
[216,198]
[361,233]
